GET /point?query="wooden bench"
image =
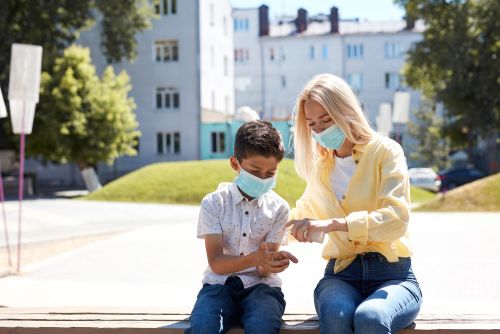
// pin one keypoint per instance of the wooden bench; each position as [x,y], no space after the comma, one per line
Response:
[149,321]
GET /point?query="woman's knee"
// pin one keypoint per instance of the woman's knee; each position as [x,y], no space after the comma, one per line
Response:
[369,320]
[336,315]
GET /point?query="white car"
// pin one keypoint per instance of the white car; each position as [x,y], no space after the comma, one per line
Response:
[425,178]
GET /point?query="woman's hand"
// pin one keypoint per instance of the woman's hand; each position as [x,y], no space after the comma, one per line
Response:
[303,230]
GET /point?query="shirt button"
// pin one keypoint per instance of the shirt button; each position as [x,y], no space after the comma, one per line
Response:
[246,212]
[356,161]
[343,196]
[353,151]
[244,234]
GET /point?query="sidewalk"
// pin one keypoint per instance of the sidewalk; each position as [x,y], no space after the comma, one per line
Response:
[161,265]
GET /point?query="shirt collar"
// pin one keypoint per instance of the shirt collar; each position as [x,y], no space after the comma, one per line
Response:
[238,196]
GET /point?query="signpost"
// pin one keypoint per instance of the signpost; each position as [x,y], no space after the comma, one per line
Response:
[24,89]
[401,113]
[384,119]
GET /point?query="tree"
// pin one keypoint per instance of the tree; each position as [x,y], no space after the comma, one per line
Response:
[56,24]
[427,129]
[82,118]
[458,63]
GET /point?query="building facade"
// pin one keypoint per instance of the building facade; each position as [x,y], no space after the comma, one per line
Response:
[202,59]
[183,76]
[274,60]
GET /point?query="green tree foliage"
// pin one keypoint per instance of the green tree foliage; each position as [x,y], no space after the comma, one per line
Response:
[56,24]
[82,118]
[427,129]
[458,63]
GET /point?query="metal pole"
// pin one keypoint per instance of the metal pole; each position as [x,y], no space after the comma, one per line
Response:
[21,188]
[4,215]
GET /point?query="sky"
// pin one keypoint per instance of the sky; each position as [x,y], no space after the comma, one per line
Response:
[373,10]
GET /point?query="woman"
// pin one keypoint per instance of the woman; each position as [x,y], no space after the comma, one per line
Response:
[358,193]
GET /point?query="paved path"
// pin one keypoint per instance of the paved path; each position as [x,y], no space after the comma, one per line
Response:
[159,262]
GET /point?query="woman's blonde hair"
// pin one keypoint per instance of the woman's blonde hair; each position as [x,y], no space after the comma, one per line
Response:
[339,101]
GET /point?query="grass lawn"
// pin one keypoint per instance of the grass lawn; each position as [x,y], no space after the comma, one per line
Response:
[481,195]
[188,182]
[419,195]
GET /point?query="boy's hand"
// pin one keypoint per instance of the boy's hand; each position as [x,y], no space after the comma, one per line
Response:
[272,262]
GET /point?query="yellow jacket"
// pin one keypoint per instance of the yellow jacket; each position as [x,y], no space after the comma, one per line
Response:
[376,204]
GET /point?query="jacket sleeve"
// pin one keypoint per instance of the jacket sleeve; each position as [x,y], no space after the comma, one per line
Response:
[390,221]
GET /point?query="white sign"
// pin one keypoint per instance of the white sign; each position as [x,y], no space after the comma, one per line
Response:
[24,85]
[384,119]
[401,107]
[3,109]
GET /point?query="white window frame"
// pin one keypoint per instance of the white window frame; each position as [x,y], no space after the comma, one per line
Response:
[355,51]
[220,142]
[167,93]
[393,50]
[163,47]
[392,80]
[355,80]
[159,7]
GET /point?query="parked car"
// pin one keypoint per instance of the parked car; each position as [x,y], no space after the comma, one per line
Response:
[425,178]
[455,177]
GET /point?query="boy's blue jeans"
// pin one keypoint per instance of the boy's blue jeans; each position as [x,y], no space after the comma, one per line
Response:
[372,295]
[258,308]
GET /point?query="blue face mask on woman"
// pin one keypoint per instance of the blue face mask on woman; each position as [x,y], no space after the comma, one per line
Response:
[252,185]
[331,138]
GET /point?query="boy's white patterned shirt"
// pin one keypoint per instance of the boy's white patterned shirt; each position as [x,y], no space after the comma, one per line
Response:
[244,225]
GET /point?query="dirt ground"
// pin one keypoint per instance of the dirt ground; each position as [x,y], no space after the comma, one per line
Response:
[34,252]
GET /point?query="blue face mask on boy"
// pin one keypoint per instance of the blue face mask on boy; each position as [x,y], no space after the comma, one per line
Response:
[252,185]
[331,138]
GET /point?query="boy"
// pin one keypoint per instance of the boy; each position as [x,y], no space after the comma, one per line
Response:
[243,224]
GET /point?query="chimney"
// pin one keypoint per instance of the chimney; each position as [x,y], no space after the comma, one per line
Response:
[410,22]
[301,20]
[334,20]
[263,20]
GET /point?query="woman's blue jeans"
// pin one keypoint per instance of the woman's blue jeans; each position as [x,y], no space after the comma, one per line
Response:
[259,308]
[371,295]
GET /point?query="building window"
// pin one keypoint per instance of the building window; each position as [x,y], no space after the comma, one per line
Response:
[224,25]
[218,142]
[283,81]
[226,104]
[241,55]
[157,6]
[167,99]
[271,54]
[165,7]
[177,142]
[226,65]
[282,54]
[168,143]
[159,143]
[166,51]
[393,50]
[241,24]
[311,52]
[355,80]
[393,80]
[325,52]
[354,51]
